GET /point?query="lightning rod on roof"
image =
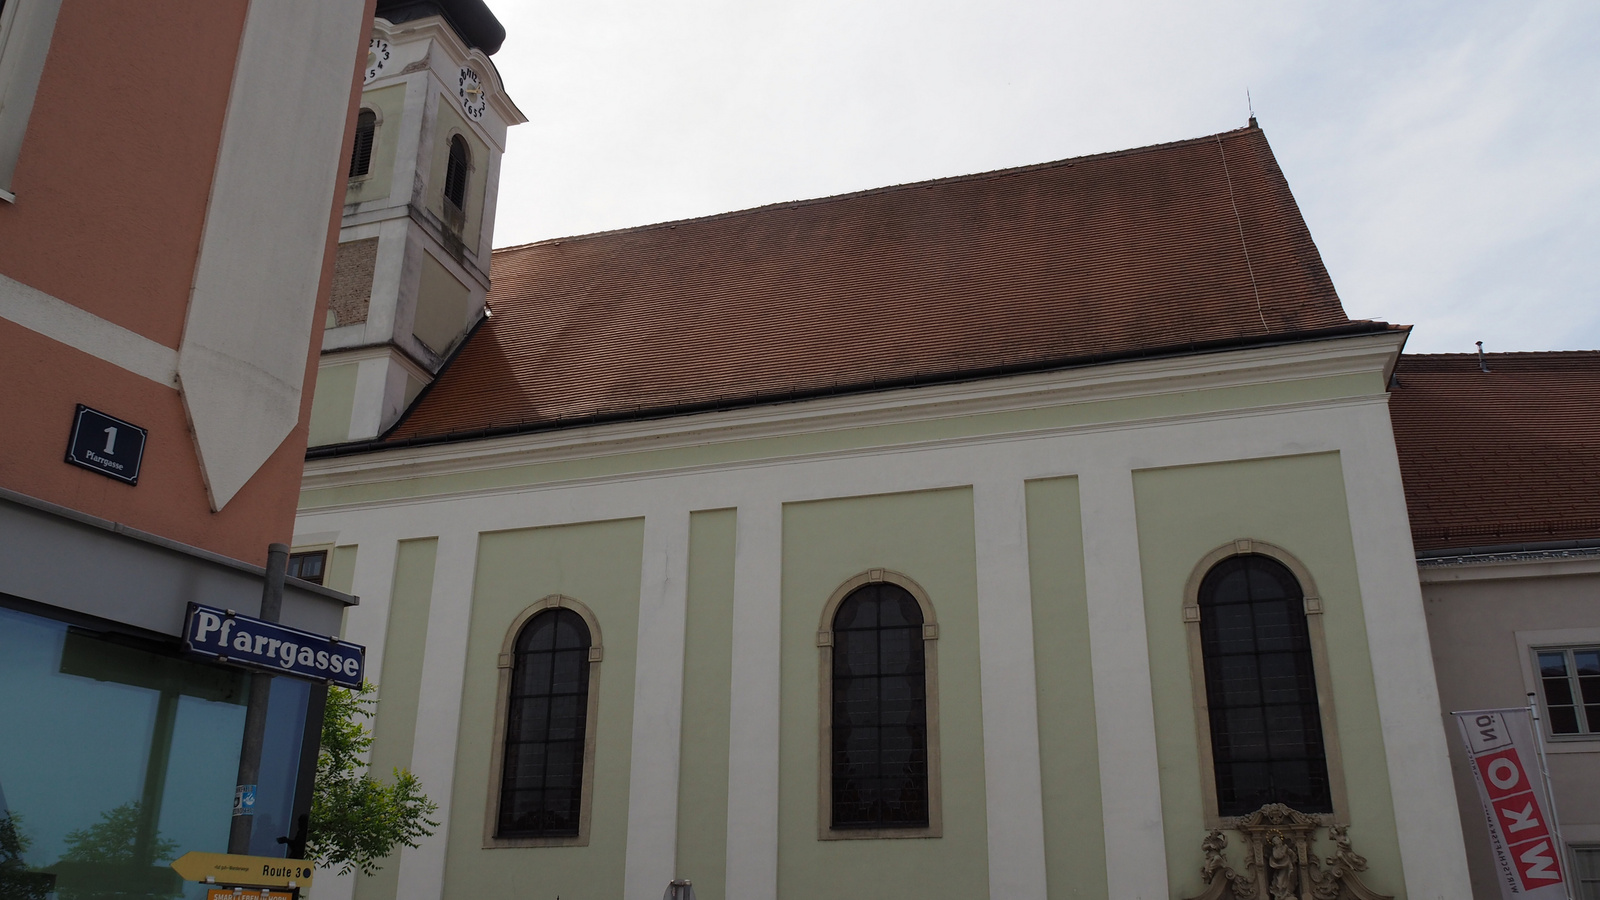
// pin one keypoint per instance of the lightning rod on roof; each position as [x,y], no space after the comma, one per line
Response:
[1252,105]
[1483,364]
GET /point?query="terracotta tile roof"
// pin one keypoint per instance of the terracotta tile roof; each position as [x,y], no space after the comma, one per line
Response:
[1062,263]
[1510,456]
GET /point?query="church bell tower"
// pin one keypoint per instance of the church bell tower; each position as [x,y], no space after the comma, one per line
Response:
[412,269]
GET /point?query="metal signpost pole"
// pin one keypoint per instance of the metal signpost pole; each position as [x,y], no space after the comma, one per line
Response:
[255,720]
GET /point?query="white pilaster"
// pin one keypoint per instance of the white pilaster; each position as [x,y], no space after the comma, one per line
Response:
[651,859]
[1011,776]
[367,624]
[1432,850]
[433,754]
[752,872]
[1119,657]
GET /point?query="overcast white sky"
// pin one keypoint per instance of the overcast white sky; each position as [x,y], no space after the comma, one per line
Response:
[1445,154]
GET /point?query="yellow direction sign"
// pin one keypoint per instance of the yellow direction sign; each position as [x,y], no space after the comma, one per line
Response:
[251,871]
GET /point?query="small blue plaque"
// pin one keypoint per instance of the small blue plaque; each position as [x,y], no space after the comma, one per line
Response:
[106,444]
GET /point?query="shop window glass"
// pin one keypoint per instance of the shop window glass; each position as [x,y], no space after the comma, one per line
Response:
[118,758]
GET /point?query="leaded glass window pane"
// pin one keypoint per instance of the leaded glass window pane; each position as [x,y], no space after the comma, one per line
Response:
[880,711]
[1266,727]
[542,782]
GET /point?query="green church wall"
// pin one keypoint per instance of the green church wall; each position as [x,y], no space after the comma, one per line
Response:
[1155,406]
[707,677]
[1069,754]
[929,537]
[598,564]
[1297,503]
[332,401]
[389,104]
[394,732]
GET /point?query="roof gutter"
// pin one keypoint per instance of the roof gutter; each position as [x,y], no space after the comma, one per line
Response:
[351,448]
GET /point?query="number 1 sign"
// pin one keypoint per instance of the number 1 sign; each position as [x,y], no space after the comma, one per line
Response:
[106,444]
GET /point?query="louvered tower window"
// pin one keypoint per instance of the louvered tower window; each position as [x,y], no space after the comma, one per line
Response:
[541,786]
[455,175]
[880,711]
[361,152]
[1266,726]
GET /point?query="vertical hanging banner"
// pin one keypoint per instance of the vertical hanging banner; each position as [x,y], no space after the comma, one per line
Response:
[1505,763]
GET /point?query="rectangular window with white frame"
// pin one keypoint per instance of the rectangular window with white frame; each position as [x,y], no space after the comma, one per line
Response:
[1569,686]
[1586,872]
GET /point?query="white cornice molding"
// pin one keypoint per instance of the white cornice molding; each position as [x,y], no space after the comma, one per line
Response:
[1505,566]
[435,28]
[1365,354]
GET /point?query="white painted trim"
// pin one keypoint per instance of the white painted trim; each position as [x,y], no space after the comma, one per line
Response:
[26,29]
[651,861]
[1124,706]
[1554,639]
[754,707]
[1499,569]
[84,331]
[444,672]
[252,308]
[1143,378]
[1013,789]
[7,196]
[368,625]
[1432,851]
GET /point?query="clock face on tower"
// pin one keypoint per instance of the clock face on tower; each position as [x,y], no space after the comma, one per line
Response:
[470,92]
[377,58]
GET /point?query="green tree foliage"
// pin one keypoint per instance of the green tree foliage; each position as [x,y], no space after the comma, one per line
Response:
[16,882]
[114,840]
[357,820]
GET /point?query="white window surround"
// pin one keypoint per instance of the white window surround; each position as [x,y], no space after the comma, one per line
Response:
[505,662]
[26,27]
[1323,672]
[1528,643]
[930,637]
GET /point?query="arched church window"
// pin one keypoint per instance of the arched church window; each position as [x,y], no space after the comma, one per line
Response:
[455,175]
[361,151]
[879,711]
[547,727]
[1261,692]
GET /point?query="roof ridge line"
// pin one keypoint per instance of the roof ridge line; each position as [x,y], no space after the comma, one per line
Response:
[865,192]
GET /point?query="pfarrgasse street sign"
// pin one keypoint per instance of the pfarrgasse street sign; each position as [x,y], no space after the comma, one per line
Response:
[106,444]
[247,641]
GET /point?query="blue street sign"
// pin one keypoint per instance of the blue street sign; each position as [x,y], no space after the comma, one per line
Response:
[106,444]
[248,641]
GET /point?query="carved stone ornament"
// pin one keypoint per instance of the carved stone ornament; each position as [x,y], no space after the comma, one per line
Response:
[1280,862]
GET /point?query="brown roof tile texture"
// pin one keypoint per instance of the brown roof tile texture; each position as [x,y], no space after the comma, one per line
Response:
[1104,255]
[1507,457]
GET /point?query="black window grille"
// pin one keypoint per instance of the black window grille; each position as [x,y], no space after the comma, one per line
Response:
[309,566]
[455,175]
[361,151]
[541,786]
[880,711]
[1266,726]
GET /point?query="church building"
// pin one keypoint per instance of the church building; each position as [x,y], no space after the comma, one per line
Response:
[1038,533]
